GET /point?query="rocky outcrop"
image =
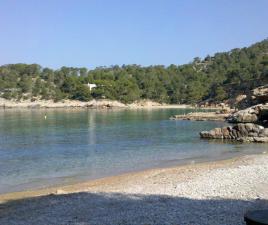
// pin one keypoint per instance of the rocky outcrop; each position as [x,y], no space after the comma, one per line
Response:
[250,127]
[256,96]
[260,94]
[202,116]
[244,132]
[240,101]
[254,114]
[251,122]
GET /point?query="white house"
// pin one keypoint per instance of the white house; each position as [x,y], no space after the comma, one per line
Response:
[91,86]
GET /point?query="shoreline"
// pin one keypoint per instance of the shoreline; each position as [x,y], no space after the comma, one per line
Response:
[218,192]
[93,104]
[101,184]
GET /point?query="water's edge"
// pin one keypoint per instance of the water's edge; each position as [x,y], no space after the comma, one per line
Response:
[47,148]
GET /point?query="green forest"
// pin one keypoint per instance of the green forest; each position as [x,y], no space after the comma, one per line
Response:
[216,77]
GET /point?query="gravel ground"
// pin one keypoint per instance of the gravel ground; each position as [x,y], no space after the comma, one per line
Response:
[216,193]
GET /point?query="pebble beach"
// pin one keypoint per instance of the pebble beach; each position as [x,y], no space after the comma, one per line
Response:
[205,193]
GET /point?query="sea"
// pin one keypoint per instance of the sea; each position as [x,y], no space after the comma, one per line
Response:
[42,148]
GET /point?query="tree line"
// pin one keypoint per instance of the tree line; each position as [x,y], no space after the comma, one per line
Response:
[216,77]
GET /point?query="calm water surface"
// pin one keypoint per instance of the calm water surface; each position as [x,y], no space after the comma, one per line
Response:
[76,145]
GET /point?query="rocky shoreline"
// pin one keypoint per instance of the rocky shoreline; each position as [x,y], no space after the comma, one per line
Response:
[251,124]
[243,132]
[202,116]
[39,104]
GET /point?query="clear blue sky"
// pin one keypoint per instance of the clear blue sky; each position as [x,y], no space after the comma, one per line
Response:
[94,33]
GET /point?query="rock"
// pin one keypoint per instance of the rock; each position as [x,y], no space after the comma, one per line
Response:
[250,139]
[204,134]
[242,139]
[263,132]
[218,133]
[245,139]
[202,116]
[242,129]
[261,139]
[234,134]
[225,133]
[247,128]
[249,115]
[253,134]
[251,127]
[260,94]
[263,115]
[248,132]
[239,135]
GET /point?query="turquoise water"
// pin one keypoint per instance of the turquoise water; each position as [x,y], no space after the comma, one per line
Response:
[76,145]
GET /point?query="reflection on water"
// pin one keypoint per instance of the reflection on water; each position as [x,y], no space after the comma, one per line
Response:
[75,145]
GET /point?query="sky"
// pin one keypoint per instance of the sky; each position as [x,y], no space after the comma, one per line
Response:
[91,33]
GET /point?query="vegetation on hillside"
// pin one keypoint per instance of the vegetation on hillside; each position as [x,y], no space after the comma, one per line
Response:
[217,77]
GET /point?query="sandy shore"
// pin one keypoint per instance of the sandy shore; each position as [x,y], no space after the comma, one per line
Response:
[206,193]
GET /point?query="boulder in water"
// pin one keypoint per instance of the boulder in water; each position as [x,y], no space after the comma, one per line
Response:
[245,132]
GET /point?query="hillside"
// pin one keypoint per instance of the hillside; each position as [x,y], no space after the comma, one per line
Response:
[217,77]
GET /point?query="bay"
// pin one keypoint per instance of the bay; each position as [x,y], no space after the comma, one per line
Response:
[42,148]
